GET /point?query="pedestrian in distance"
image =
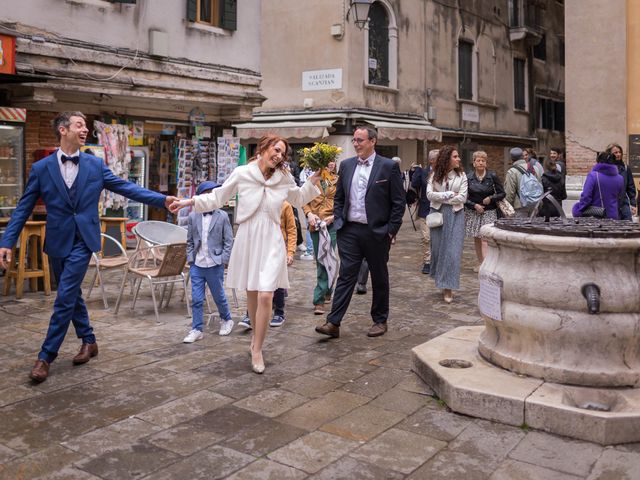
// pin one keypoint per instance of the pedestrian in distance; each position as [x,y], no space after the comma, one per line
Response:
[552,181]
[367,210]
[70,183]
[419,182]
[209,243]
[627,200]
[258,263]
[447,192]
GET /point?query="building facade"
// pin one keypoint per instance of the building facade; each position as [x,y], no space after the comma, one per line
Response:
[481,74]
[603,99]
[165,64]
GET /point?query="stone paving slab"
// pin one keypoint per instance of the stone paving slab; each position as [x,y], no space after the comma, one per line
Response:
[151,407]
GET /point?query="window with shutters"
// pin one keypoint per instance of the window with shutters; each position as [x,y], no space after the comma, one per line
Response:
[378,45]
[215,13]
[465,70]
[520,84]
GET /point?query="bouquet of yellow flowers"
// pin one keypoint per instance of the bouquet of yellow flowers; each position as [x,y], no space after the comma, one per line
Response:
[318,157]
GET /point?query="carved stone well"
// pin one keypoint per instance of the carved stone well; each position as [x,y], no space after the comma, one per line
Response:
[560,346]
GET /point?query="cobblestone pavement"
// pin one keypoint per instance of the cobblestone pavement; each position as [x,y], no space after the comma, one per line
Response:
[151,407]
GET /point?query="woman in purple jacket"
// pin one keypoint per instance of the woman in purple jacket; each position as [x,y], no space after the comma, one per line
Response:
[602,188]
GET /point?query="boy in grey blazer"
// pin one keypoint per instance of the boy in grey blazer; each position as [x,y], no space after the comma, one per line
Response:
[209,242]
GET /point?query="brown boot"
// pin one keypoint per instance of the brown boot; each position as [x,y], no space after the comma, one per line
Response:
[87,351]
[329,329]
[318,309]
[40,371]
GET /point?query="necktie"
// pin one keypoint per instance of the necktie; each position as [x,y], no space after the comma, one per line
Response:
[363,161]
[66,159]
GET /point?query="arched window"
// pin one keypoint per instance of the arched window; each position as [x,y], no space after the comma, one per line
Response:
[378,45]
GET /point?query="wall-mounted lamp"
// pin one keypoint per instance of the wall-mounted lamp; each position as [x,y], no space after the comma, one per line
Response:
[360,10]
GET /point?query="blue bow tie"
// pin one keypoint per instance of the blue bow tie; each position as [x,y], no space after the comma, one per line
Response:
[66,159]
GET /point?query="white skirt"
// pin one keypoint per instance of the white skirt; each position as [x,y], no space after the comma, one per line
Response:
[258,258]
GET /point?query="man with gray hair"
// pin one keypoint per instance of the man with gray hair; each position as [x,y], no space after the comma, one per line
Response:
[419,185]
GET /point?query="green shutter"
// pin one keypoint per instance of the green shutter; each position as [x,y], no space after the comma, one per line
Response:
[192,10]
[229,14]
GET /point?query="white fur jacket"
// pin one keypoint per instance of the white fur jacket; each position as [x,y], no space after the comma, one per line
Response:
[252,189]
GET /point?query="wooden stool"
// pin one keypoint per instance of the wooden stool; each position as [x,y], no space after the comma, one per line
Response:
[106,222]
[32,235]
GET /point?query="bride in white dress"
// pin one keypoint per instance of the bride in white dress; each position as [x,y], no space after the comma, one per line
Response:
[258,261]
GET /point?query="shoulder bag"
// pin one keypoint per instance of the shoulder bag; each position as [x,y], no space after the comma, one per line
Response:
[435,219]
[503,205]
[592,210]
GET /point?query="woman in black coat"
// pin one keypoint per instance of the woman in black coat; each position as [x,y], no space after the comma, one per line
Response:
[485,189]
[552,181]
[627,200]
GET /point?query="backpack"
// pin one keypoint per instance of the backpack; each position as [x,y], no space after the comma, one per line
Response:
[530,189]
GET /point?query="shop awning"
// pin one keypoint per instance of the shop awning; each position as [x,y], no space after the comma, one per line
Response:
[405,131]
[290,129]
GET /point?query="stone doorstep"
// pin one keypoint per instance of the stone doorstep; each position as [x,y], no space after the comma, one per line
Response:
[489,392]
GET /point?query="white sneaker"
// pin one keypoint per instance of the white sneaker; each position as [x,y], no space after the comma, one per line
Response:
[302,247]
[306,256]
[225,327]
[193,336]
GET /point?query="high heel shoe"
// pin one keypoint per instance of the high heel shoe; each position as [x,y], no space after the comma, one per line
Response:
[257,366]
[447,295]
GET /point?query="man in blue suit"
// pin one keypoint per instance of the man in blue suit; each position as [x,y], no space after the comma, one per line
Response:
[368,209]
[69,182]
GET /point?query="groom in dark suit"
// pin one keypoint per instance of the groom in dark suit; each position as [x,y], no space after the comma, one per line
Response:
[368,209]
[70,183]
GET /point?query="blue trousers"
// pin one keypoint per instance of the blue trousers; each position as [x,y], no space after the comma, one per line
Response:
[69,305]
[214,278]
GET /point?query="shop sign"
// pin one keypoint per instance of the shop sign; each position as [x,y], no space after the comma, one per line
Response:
[322,79]
[7,55]
[470,113]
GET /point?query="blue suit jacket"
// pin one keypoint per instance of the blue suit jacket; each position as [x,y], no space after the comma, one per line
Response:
[64,217]
[384,200]
[219,237]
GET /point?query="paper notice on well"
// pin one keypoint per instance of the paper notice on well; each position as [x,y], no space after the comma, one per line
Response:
[489,298]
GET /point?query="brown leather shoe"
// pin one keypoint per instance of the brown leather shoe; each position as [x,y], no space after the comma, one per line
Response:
[329,329]
[377,329]
[87,351]
[40,371]
[318,309]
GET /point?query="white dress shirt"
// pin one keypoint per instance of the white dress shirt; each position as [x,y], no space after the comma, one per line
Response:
[357,211]
[203,258]
[69,170]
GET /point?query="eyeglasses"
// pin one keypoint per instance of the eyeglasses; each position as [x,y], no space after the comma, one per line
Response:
[359,140]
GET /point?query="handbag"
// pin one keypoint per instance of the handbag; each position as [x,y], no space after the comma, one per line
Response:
[434,220]
[592,210]
[504,206]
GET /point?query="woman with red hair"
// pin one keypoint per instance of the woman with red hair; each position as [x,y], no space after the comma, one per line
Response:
[258,262]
